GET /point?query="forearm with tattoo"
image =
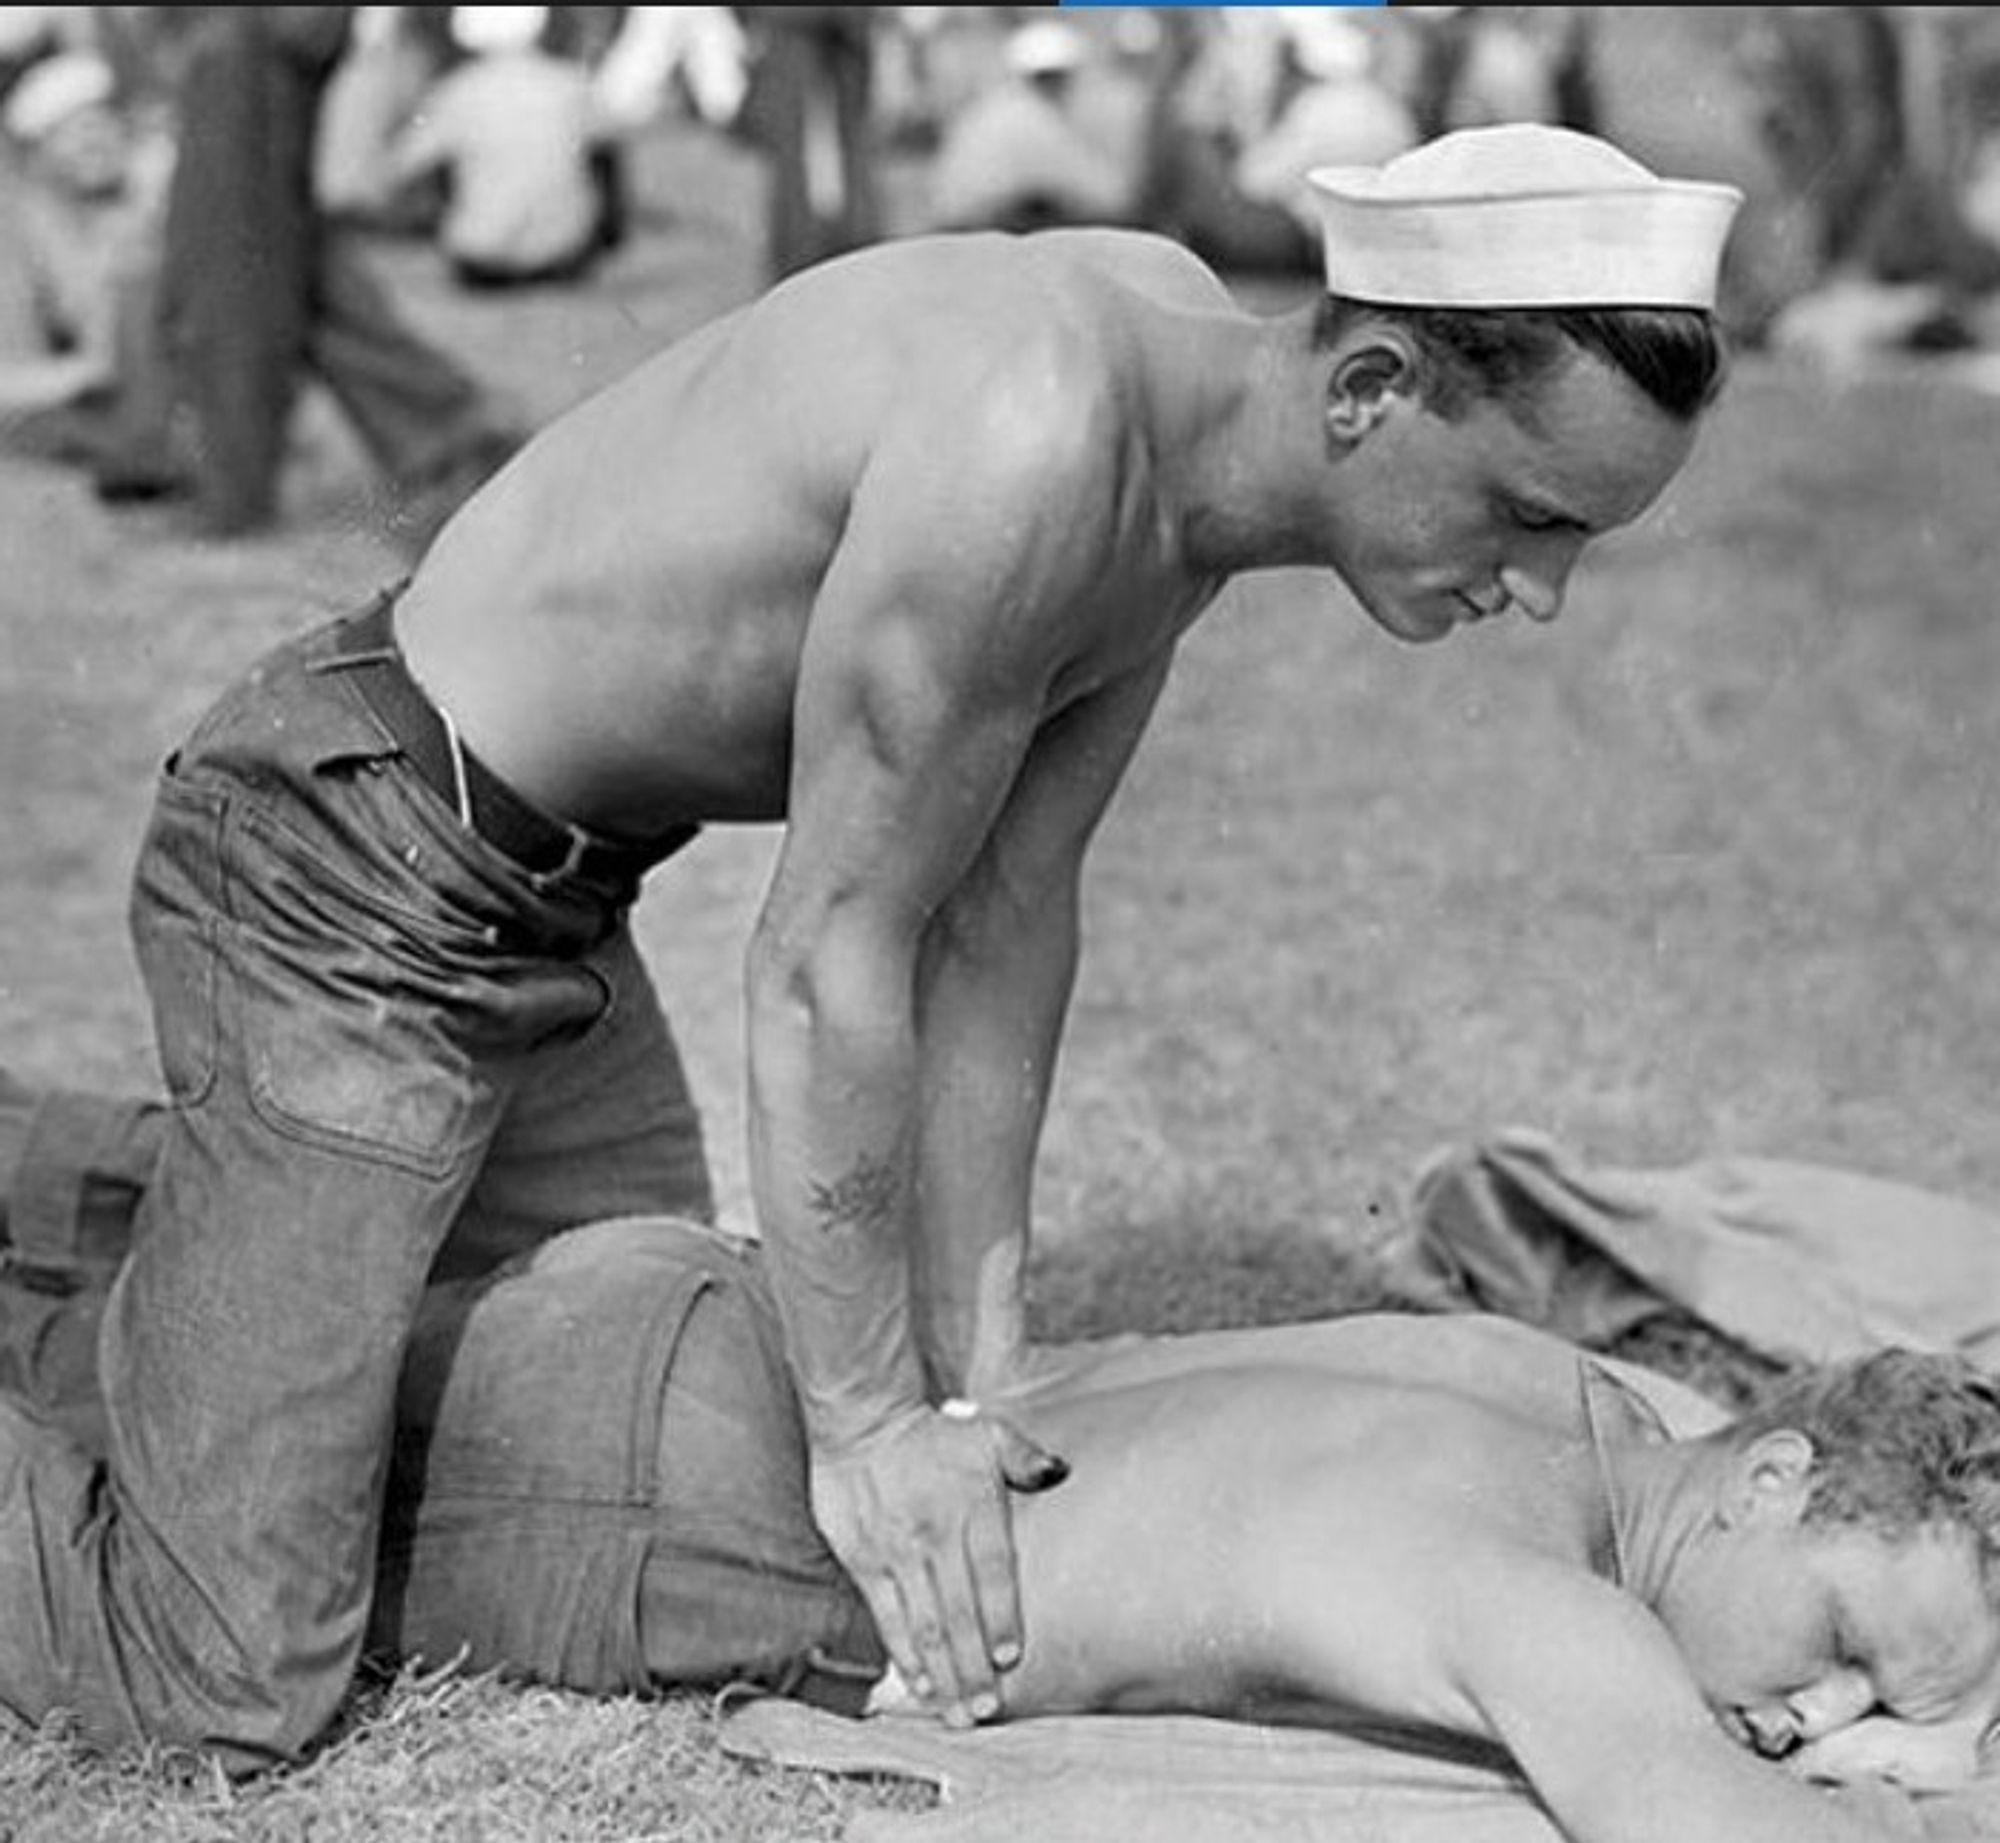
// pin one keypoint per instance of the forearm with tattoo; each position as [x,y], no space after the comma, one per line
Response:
[866,1197]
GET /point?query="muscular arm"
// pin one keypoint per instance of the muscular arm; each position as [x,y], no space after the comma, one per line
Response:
[996,978]
[929,662]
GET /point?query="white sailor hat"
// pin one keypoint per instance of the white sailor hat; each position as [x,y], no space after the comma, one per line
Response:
[1521,215]
[53,90]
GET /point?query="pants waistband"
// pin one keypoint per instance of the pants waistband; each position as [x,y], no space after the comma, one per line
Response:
[541,844]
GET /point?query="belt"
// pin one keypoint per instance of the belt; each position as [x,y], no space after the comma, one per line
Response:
[540,843]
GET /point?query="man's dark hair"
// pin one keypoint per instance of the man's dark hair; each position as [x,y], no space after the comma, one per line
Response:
[1674,354]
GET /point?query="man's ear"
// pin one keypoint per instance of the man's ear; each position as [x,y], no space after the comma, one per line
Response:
[1365,378]
[1769,1481]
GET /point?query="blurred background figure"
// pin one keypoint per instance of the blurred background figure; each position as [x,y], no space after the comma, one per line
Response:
[83,382]
[1333,105]
[261,292]
[381,79]
[514,133]
[1476,66]
[1244,106]
[663,78]
[29,34]
[666,58]
[1870,118]
[1056,139]
[810,110]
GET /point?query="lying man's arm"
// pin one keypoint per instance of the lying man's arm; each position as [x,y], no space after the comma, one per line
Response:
[1585,1688]
[1920,1756]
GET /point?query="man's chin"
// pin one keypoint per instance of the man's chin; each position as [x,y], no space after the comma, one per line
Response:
[1416,625]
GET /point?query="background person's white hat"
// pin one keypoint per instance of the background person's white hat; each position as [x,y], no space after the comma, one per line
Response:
[1044,48]
[483,29]
[1521,215]
[49,92]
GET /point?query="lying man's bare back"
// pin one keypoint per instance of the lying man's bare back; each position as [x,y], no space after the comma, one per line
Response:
[1221,1482]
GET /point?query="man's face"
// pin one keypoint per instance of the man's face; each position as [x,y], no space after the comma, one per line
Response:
[1795,1630]
[1445,522]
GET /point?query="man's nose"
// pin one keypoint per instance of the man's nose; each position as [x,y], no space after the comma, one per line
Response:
[1538,591]
[1773,1730]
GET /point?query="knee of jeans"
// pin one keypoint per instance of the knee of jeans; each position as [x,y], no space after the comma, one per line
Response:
[249,1692]
[93,1630]
[306,1700]
[247,1725]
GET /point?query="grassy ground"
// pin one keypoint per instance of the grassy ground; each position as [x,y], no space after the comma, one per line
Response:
[1707,867]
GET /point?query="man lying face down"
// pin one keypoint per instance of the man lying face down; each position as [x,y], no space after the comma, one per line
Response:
[1451,1526]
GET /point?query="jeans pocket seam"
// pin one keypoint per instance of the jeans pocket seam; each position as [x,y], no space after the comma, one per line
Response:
[190,1057]
[360,1147]
[208,998]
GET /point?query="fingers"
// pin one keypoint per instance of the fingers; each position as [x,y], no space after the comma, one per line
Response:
[949,1615]
[886,1604]
[993,1581]
[979,1589]
[922,1522]
[967,1599]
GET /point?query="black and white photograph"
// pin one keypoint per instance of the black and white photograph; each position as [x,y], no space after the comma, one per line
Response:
[1000,924]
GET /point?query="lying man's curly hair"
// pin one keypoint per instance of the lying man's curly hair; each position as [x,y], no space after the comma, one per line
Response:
[1902,1441]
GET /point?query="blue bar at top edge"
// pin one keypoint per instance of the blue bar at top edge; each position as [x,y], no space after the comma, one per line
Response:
[1205,6]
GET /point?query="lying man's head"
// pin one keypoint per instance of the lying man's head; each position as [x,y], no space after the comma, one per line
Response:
[1842,1557]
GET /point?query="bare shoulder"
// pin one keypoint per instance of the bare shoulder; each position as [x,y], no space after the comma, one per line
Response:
[1487,1358]
[1066,319]
[1157,267]
[1012,272]
[1018,378]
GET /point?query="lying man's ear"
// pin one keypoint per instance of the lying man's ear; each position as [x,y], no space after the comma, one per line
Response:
[1769,1481]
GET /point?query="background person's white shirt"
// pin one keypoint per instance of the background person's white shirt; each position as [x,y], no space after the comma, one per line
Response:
[514,130]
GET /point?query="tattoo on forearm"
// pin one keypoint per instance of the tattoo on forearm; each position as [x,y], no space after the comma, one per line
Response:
[863,1198]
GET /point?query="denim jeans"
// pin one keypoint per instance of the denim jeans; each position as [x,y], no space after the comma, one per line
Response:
[599,1474]
[600,1478]
[390,1051]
